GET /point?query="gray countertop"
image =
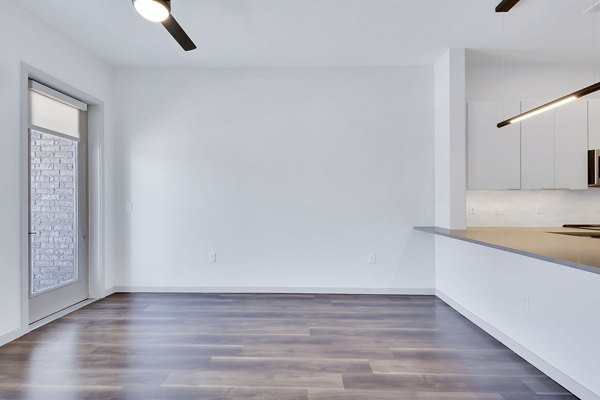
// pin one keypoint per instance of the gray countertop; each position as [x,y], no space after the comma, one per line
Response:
[542,243]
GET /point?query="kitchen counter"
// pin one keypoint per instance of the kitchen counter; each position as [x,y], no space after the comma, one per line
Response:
[573,251]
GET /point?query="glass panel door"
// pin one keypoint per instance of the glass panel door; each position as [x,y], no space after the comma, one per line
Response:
[58,254]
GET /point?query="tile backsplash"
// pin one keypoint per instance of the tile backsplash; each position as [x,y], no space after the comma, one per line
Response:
[533,207]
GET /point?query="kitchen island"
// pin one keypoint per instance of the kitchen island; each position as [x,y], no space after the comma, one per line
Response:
[535,291]
[567,246]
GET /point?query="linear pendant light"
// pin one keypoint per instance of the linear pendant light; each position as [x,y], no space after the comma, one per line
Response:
[506,5]
[551,105]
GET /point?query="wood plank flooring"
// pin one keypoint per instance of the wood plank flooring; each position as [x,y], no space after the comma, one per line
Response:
[279,347]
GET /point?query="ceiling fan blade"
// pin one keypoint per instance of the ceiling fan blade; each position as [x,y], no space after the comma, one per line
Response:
[506,5]
[178,33]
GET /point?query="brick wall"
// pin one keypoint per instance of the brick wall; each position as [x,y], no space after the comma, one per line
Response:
[53,210]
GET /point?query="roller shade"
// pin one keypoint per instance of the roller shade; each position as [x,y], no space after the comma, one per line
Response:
[54,111]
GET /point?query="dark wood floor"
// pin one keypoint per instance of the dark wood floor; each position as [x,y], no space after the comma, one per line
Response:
[279,347]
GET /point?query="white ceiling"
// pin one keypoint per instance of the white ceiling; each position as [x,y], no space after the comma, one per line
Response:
[284,33]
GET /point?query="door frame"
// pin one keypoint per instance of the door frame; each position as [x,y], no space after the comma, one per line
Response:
[95,179]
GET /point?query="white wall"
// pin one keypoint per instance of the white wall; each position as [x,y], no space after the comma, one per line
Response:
[519,208]
[24,38]
[292,176]
[526,81]
[450,140]
[557,332]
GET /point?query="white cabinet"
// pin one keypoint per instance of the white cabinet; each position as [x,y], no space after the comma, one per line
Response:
[547,151]
[493,154]
[594,124]
[571,144]
[537,149]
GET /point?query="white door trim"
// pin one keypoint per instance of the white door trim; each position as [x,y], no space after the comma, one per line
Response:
[95,182]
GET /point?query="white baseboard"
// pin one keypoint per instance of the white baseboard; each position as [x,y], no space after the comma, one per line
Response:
[291,290]
[563,379]
[110,291]
[12,335]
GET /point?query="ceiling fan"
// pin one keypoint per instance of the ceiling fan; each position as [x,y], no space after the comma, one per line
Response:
[160,11]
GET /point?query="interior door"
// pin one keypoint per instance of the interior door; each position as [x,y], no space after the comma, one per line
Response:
[58,247]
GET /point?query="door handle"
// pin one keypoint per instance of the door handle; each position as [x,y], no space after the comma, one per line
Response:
[33,233]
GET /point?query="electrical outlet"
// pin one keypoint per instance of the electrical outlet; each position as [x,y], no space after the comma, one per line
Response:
[539,210]
[212,257]
[472,210]
[525,302]
[129,207]
[372,258]
[497,210]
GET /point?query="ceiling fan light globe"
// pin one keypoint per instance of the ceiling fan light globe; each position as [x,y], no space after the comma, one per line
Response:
[152,10]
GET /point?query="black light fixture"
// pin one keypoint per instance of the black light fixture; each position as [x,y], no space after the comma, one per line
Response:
[553,104]
[160,11]
[506,5]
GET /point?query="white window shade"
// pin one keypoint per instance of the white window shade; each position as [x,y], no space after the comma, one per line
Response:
[54,115]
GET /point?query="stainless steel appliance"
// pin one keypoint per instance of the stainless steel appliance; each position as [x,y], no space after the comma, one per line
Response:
[594,168]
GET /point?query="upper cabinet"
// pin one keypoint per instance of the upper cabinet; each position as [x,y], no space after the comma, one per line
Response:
[548,151]
[594,124]
[537,149]
[493,154]
[571,141]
